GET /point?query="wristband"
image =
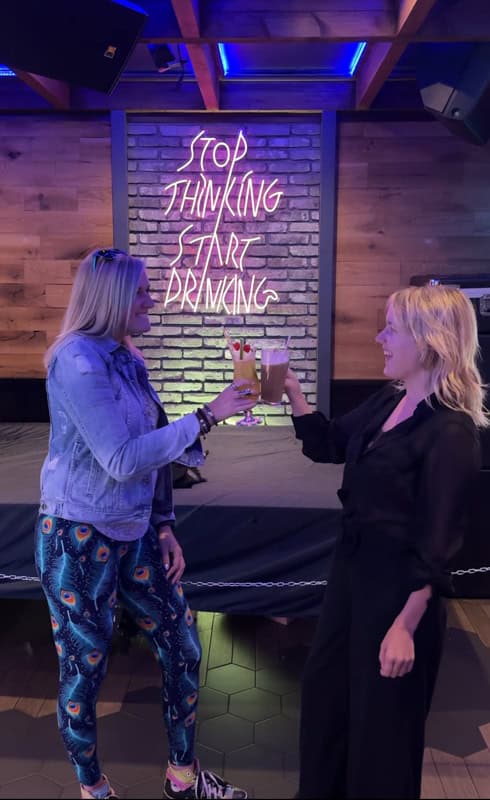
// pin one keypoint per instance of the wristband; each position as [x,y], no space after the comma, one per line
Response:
[204,422]
[210,414]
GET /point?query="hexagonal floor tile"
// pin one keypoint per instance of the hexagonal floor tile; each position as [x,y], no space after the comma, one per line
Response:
[275,680]
[209,758]
[255,704]
[230,678]
[32,786]
[60,772]
[211,703]
[291,705]
[146,790]
[21,738]
[143,703]
[254,760]
[257,770]
[279,733]
[226,733]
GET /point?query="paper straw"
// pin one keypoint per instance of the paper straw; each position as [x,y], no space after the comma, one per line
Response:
[229,341]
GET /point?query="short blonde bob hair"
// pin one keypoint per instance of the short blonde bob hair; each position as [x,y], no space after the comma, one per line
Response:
[101,299]
[443,324]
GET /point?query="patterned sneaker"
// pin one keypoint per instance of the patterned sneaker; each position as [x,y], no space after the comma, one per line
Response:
[206,784]
[103,791]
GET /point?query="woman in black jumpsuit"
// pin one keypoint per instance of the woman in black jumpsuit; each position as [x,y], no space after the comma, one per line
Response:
[411,456]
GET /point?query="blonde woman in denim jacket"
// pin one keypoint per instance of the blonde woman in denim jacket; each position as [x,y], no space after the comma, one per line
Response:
[105,530]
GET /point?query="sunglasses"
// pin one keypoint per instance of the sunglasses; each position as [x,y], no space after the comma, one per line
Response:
[107,255]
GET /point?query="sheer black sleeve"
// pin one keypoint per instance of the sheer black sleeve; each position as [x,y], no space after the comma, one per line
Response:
[326,440]
[445,490]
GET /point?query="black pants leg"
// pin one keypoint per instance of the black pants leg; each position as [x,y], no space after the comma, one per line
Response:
[325,696]
[388,715]
[362,735]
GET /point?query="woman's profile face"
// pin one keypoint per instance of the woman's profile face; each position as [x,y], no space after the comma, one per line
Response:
[402,360]
[139,321]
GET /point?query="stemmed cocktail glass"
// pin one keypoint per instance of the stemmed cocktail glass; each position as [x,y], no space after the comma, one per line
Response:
[245,368]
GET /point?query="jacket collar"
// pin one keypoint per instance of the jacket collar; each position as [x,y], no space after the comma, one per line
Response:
[108,344]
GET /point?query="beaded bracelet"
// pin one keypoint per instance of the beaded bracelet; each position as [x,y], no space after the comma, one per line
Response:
[204,422]
[208,411]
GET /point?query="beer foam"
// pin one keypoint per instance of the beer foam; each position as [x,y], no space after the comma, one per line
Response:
[275,355]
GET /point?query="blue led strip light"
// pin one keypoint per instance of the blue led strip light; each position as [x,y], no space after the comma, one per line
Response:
[223,58]
[355,58]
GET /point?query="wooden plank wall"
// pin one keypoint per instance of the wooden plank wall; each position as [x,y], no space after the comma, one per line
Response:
[412,199]
[55,205]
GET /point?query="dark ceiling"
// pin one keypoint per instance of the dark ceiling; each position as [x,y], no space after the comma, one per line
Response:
[276,55]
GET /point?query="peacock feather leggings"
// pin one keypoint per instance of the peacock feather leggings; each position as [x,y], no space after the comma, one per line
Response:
[83,573]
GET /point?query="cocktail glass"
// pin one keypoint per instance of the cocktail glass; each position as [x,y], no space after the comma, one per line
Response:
[245,368]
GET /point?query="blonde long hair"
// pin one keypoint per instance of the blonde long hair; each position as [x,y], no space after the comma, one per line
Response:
[443,324]
[101,298]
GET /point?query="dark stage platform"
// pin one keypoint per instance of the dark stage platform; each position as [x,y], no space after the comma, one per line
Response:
[258,535]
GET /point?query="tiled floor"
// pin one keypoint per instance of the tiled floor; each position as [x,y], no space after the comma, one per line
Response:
[248,709]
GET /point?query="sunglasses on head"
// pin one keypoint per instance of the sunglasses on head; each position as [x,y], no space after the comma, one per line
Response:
[107,255]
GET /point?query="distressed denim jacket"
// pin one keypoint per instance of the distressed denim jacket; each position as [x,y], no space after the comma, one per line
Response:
[107,465]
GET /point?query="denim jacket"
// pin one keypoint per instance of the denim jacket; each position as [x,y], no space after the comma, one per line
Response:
[107,464]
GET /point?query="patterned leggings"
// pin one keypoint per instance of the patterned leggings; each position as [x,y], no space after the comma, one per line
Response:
[82,573]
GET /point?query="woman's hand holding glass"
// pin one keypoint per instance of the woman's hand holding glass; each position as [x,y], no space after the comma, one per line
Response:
[234,399]
[294,392]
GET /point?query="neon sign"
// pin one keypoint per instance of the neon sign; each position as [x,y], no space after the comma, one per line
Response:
[213,192]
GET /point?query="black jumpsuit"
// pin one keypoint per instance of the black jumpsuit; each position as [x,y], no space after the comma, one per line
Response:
[405,496]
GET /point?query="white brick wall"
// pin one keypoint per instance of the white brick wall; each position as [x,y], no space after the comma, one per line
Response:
[186,352]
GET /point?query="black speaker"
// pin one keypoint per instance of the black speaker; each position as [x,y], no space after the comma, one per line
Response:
[454,82]
[84,42]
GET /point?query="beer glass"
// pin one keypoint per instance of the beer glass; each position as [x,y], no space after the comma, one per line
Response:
[273,371]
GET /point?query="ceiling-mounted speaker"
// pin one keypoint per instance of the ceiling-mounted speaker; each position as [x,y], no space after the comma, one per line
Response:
[83,42]
[454,83]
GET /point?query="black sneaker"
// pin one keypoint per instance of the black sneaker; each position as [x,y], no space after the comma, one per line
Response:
[206,784]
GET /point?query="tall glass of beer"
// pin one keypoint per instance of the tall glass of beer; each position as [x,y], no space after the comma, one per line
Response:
[273,371]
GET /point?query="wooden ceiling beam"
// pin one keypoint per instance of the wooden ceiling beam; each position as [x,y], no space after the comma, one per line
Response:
[147,97]
[371,21]
[376,66]
[381,58]
[240,96]
[201,56]
[459,21]
[162,95]
[141,96]
[56,93]
[297,20]
[412,14]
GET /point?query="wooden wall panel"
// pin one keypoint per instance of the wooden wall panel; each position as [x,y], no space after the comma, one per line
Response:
[412,199]
[55,205]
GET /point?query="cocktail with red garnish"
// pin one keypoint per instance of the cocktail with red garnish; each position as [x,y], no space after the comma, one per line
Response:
[245,368]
